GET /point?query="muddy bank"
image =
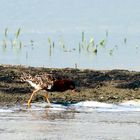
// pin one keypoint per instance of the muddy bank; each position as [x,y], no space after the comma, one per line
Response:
[105,86]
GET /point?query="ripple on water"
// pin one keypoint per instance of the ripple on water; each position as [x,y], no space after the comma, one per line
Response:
[85,106]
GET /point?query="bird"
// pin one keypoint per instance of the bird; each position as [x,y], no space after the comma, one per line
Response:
[48,83]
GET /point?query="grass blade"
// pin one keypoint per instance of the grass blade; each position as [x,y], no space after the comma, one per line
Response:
[83,36]
[6,32]
[18,32]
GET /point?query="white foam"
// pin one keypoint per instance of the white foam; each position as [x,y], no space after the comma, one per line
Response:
[5,110]
[132,103]
[94,104]
[90,106]
[127,106]
[85,106]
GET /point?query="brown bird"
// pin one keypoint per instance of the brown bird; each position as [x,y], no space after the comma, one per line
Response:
[48,83]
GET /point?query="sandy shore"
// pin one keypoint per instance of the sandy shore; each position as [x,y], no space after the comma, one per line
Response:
[104,86]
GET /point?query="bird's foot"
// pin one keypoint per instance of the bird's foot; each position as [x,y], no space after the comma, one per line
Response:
[48,106]
[28,104]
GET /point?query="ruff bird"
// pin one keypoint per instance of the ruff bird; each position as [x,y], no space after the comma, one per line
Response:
[48,83]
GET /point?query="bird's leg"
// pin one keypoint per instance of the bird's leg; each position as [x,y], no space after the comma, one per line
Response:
[46,96]
[32,96]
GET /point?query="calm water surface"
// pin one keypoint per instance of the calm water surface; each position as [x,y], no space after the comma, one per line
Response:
[63,21]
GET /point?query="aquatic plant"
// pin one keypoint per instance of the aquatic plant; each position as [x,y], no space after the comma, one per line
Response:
[90,44]
[12,40]
[83,36]
[95,50]
[49,41]
[79,48]
[20,44]
[62,44]
[4,44]
[106,34]
[6,32]
[15,40]
[51,45]
[111,51]
[125,40]
[83,42]
[17,33]
[102,43]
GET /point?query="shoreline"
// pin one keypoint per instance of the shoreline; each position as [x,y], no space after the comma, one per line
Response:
[111,86]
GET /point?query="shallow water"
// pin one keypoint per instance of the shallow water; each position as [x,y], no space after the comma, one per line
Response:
[65,20]
[84,120]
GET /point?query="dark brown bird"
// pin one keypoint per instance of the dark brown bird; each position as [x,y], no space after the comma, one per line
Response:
[62,85]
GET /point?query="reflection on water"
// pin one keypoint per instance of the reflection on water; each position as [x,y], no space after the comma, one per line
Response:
[77,122]
[48,115]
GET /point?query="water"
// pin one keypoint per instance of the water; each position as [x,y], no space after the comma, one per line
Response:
[65,20]
[84,120]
